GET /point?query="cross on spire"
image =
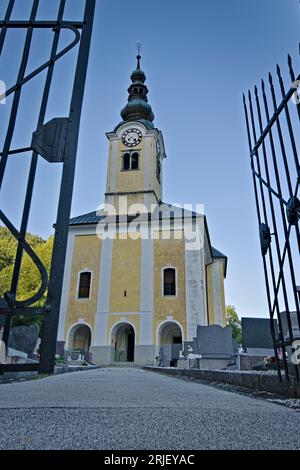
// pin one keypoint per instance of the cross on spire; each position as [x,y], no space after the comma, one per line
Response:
[139,47]
[139,51]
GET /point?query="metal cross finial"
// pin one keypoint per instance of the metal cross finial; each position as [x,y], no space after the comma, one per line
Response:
[139,48]
[139,51]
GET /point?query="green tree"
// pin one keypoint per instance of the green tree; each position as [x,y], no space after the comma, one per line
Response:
[233,320]
[29,280]
[8,246]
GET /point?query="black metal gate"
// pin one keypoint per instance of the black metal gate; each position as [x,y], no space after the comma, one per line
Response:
[55,141]
[273,134]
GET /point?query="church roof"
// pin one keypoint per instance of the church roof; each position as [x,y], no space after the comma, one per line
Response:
[86,219]
[96,216]
[216,253]
[93,218]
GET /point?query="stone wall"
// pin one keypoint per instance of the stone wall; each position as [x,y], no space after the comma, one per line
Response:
[263,381]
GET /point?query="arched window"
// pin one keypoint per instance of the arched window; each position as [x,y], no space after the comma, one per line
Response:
[135,161]
[169,281]
[84,285]
[126,161]
[130,161]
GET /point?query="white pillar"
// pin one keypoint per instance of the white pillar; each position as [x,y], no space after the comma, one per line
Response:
[195,291]
[66,288]
[100,336]
[146,306]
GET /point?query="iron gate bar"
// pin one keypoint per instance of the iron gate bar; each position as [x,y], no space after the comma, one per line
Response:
[14,152]
[12,307]
[34,159]
[264,260]
[40,24]
[281,266]
[44,277]
[287,233]
[17,95]
[274,223]
[265,217]
[272,120]
[289,123]
[64,208]
[23,311]
[284,257]
[47,64]
[265,183]
[7,144]
[6,19]
[280,199]
[281,141]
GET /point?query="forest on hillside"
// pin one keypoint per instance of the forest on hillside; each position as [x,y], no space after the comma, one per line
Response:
[29,280]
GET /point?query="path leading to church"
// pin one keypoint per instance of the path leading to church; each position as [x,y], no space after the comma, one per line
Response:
[135,409]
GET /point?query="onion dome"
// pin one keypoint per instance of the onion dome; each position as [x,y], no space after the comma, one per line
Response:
[138,108]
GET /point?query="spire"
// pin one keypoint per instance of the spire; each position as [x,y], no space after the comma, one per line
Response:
[138,108]
[139,50]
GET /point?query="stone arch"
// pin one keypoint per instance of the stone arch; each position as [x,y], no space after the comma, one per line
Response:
[123,337]
[169,332]
[79,337]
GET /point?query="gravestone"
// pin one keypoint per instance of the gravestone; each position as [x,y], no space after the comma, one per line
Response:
[24,338]
[214,342]
[169,354]
[294,325]
[256,335]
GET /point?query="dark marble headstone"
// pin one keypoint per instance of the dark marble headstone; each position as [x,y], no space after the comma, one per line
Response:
[294,324]
[256,333]
[169,354]
[24,338]
[213,341]
[60,348]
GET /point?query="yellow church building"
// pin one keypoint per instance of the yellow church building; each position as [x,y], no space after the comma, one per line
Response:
[140,274]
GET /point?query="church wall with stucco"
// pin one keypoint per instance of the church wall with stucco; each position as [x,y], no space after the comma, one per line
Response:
[86,256]
[169,253]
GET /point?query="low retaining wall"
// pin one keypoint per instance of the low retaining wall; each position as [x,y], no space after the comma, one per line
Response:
[21,376]
[263,381]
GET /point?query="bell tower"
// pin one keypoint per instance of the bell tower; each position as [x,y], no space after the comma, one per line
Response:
[136,152]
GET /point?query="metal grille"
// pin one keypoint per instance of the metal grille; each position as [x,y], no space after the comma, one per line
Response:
[273,135]
[55,141]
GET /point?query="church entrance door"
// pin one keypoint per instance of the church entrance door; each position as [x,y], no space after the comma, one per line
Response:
[124,343]
[130,346]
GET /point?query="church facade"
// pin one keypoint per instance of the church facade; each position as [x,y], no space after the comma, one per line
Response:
[140,274]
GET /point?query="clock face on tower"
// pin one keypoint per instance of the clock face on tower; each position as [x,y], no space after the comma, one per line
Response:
[132,137]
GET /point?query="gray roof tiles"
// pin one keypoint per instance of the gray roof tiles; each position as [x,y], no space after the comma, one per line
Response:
[95,217]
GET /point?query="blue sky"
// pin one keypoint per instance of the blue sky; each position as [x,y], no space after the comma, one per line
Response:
[199,56]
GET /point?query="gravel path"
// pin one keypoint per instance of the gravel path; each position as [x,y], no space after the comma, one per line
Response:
[118,408]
